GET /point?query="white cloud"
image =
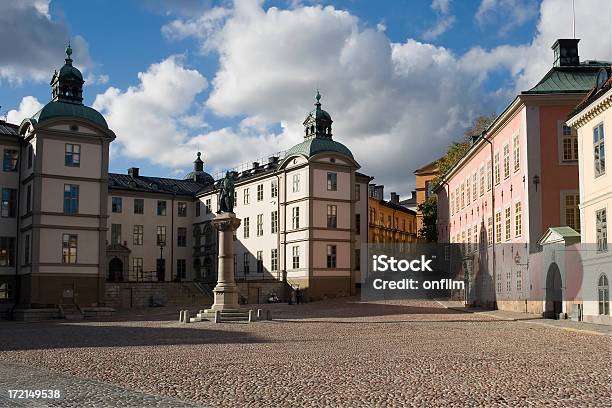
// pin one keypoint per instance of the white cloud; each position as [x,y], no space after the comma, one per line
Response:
[28,106]
[506,14]
[149,119]
[32,43]
[444,20]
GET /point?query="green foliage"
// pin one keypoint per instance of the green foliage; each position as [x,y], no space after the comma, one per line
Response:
[429,209]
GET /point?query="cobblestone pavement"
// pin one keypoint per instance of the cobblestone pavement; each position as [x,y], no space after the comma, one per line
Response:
[338,353]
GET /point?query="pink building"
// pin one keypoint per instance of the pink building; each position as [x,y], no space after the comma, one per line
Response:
[519,178]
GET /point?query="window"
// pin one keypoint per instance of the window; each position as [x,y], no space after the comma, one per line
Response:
[506,161]
[357,259]
[572,211]
[6,291]
[72,157]
[482,180]
[469,239]
[331,256]
[489,230]
[601,225]
[332,217]
[296,183]
[474,186]
[161,207]
[116,204]
[462,195]
[7,251]
[26,250]
[508,220]
[508,281]
[457,199]
[489,176]
[496,169]
[259,225]
[138,235]
[429,188]
[274,259]
[181,237]
[498,227]
[468,195]
[161,235]
[245,263]
[138,206]
[71,199]
[357,192]
[30,156]
[181,207]
[235,198]
[137,267]
[603,295]
[245,196]
[181,269]
[599,150]
[198,204]
[452,202]
[260,194]
[296,257]
[274,189]
[260,262]
[29,198]
[274,222]
[9,162]
[332,181]
[69,248]
[518,220]
[9,203]
[475,237]
[519,281]
[116,234]
[517,152]
[208,206]
[245,227]
[570,144]
[295,218]
[358,223]
[499,282]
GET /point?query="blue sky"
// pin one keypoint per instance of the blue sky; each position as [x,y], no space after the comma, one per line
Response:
[437,64]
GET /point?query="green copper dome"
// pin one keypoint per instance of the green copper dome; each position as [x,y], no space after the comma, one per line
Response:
[56,109]
[314,145]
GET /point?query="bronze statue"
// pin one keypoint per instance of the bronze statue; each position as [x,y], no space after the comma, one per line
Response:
[226,194]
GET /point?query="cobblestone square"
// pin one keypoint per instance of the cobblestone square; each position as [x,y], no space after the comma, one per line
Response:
[340,353]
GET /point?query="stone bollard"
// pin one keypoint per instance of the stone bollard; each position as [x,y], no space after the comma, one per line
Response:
[260,315]
[251,315]
[187,317]
[268,314]
[182,316]
[217,316]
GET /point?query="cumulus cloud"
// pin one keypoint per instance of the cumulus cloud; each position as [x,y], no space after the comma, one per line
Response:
[506,14]
[32,43]
[28,106]
[444,20]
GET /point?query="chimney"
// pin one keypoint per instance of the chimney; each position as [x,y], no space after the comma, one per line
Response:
[394,198]
[133,172]
[565,52]
[255,165]
[272,159]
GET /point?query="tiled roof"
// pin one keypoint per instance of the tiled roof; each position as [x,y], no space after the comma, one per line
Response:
[576,79]
[56,109]
[314,145]
[397,207]
[153,184]
[8,129]
[593,95]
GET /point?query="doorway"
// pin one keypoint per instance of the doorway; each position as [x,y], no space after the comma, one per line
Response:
[554,294]
[115,270]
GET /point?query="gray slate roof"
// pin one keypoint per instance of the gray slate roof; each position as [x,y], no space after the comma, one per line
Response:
[153,184]
[8,129]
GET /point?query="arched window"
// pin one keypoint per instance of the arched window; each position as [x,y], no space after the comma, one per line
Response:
[603,291]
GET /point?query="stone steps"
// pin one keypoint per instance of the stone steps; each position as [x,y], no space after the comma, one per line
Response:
[225,316]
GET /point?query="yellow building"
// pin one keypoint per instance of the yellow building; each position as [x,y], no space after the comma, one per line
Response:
[424,186]
[388,221]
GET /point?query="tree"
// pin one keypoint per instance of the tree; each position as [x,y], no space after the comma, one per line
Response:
[429,210]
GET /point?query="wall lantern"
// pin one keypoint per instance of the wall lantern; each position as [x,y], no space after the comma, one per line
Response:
[536,181]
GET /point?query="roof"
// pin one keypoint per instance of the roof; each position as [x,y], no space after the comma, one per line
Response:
[396,207]
[359,174]
[153,184]
[314,145]
[8,129]
[559,234]
[429,167]
[577,79]
[593,95]
[55,109]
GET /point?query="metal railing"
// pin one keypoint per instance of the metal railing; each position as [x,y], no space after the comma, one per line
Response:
[263,161]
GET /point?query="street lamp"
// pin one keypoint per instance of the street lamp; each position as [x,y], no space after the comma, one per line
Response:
[160,264]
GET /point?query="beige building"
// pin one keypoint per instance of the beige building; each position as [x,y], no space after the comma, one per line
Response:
[593,121]
[73,234]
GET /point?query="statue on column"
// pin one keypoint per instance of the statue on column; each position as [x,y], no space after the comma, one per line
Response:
[226,194]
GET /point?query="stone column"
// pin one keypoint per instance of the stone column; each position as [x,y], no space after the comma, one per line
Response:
[226,292]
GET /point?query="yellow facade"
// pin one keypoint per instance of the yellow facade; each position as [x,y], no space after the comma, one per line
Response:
[390,223]
[423,187]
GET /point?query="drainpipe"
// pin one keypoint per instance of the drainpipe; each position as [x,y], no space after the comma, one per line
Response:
[486,139]
[172,238]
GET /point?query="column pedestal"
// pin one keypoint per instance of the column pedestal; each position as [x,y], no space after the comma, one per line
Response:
[226,292]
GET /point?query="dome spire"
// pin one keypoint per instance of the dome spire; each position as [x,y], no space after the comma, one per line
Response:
[67,85]
[68,54]
[318,122]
